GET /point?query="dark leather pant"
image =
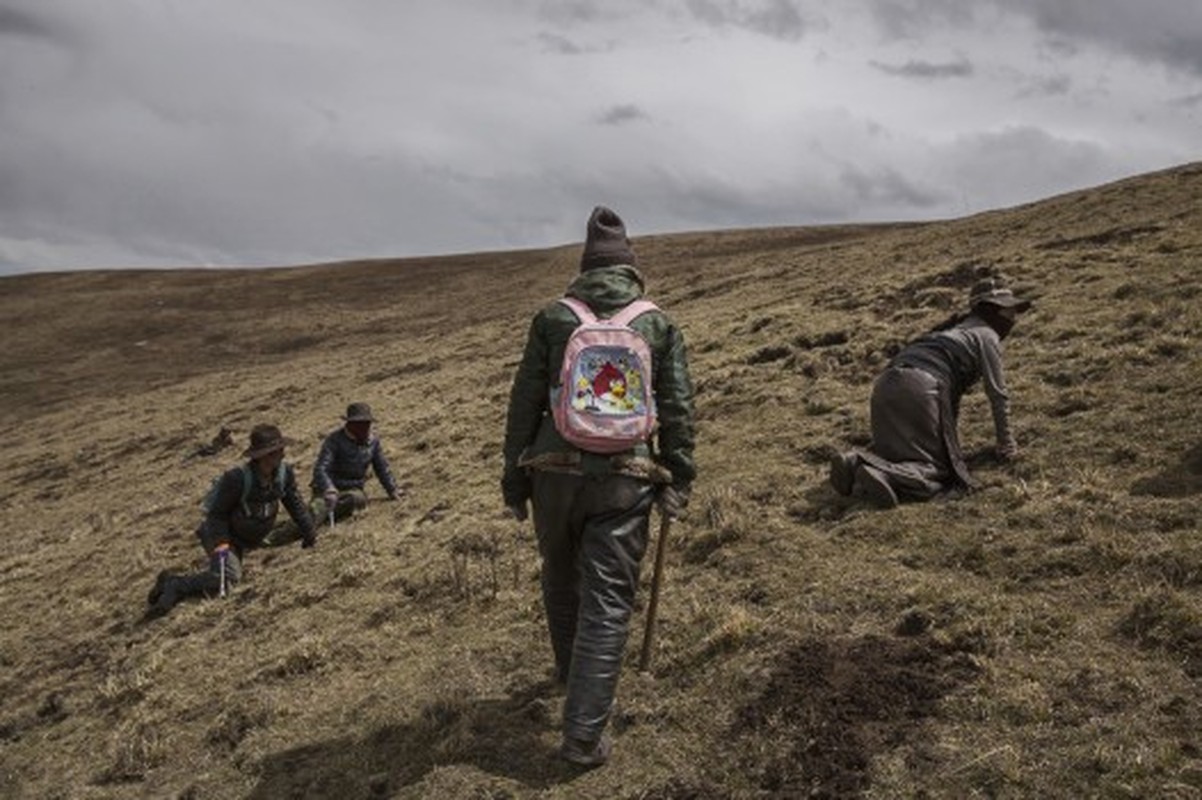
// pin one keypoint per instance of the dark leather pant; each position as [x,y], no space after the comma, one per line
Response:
[592,533]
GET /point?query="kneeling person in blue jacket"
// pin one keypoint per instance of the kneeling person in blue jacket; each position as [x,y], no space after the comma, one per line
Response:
[340,472]
[240,511]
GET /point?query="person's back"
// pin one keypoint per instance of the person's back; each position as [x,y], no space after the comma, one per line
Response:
[532,438]
[954,354]
[592,507]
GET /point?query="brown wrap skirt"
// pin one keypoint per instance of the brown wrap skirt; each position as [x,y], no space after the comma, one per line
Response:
[914,438]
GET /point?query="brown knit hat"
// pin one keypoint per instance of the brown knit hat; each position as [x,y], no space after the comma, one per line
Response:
[606,244]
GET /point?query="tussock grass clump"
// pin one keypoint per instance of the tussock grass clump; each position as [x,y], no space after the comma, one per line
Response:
[485,552]
[136,748]
[1167,622]
[237,722]
[735,628]
[724,516]
[307,655]
[127,683]
[1179,568]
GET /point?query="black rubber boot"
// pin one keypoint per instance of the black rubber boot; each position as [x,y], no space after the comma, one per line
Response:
[170,589]
[156,591]
[587,754]
[165,595]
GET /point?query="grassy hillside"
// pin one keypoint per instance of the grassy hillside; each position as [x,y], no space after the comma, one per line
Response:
[1040,638]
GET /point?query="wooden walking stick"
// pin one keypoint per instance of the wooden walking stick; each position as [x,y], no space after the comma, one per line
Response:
[665,523]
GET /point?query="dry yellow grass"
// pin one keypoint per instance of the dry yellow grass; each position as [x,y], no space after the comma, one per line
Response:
[1042,638]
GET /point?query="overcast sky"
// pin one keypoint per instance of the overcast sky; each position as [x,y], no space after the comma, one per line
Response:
[269,132]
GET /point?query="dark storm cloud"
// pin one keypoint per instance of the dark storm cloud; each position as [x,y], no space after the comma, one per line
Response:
[555,43]
[662,199]
[568,12]
[1057,47]
[558,44]
[925,70]
[884,185]
[622,114]
[669,200]
[17,23]
[1019,164]
[779,19]
[653,199]
[1047,86]
[912,19]
[1168,31]
[125,142]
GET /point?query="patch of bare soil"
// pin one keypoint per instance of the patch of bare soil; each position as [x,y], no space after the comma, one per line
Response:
[1177,480]
[501,736]
[831,707]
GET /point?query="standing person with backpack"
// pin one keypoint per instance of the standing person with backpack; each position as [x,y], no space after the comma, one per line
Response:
[240,510]
[915,406]
[340,472]
[599,428]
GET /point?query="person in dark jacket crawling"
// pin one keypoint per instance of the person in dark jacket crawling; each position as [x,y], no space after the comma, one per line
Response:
[915,406]
[592,510]
[340,472]
[240,512]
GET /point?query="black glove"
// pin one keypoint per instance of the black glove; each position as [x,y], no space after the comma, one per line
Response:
[519,512]
[309,541]
[673,501]
[516,487]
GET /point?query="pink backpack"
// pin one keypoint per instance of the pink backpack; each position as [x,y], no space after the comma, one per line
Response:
[604,402]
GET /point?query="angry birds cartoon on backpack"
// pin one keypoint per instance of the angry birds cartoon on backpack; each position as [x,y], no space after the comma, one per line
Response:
[607,390]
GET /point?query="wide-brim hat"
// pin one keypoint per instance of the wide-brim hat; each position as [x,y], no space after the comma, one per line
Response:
[265,439]
[990,291]
[358,412]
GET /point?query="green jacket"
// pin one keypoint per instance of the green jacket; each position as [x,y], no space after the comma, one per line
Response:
[245,517]
[531,440]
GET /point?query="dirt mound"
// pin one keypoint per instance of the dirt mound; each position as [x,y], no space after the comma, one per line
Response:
[834,705]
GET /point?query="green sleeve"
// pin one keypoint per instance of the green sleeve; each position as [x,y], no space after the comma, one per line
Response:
[528,400]
[674,404]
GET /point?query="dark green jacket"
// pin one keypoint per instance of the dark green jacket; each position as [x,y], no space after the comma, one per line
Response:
[531,439]
[229,520]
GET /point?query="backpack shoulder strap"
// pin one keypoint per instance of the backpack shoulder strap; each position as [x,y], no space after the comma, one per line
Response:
[247,481]
[635,309]
[579,308]
[624,317]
